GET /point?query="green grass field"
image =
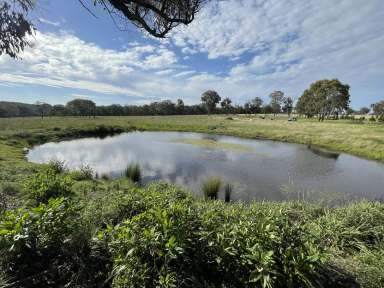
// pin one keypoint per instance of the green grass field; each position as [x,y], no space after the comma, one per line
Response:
[161,227]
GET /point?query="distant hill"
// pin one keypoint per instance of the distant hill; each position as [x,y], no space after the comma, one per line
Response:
[16,109]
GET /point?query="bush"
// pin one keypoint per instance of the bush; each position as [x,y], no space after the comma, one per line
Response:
[84,173]
[372,119]
[48,183]
[133,172]
[213,245]
[48,246]
[211,187]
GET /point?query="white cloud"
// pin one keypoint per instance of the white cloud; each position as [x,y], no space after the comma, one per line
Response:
[291,43]
[52,23]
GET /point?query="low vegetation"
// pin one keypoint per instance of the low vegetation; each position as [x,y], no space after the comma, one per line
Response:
[211,187]
[133,172]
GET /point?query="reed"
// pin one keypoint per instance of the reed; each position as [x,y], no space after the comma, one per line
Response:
[133,172]
[211,187]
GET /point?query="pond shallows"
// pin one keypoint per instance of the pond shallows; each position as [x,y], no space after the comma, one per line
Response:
[257,169]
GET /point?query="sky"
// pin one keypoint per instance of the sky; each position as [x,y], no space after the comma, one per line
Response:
[240,48]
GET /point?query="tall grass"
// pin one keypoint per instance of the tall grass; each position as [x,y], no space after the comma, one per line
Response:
[228,189]
[211,187]
[133,172]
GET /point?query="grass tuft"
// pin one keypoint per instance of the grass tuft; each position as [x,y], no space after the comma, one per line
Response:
[228,189]
[211,187]
[133,172]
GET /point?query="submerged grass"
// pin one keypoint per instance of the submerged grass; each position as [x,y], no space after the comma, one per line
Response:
[213,144]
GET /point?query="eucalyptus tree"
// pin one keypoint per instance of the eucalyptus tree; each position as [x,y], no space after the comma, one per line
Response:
[288,105]
[324,98]
[226,104]
[277,98]
[210,99]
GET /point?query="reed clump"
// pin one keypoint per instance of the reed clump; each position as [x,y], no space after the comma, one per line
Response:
[133,172]
[211,187]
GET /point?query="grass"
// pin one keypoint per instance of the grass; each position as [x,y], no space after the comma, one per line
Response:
[211,187]
[228,189]
[133,172]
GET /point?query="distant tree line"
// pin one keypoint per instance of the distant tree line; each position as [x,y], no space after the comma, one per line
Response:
[324,99]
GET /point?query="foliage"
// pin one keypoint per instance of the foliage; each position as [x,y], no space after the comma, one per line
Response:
[210,98]
[156,17]
[84,173]
[48,183]
[378,109]
[48,246]
[211,187]
[14,26]
[277,98]
[213,245]
[133,172]
[324,98]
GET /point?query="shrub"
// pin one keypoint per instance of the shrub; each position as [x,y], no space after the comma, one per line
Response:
[48,183]
[213,245]
[372,119]
[47,246]
[84,173]
[211,187]
[133,172]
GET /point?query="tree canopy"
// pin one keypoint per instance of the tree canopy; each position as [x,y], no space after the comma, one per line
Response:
[324,98]
[157,17]
[210,98]
[14,26]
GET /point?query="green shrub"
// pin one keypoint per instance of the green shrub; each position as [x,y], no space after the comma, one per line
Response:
[211,187]
[84,173]
[48,246]
[372,119]
[48,183]
[133,172]
[352,227]
[213,245]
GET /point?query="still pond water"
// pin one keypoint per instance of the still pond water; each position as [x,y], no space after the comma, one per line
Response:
[258,169]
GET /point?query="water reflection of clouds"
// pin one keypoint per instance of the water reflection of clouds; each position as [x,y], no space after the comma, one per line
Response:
[254,176]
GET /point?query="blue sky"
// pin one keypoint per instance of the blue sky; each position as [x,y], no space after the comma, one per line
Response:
[240,48]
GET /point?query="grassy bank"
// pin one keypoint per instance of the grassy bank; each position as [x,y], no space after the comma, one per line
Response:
[124,235]
[362,139]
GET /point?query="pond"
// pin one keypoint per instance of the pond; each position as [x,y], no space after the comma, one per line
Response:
[258,169]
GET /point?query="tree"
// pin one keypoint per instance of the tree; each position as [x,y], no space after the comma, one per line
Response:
[14,26]
[81,107]
[378,109]
[253,106]
[226,105]
[324,98]
[210,98]
[364,110]
[277,98]
[156,17]
[180,106]
[44,108]
[288,105]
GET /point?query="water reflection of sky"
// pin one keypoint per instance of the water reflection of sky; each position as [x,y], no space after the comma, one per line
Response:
[258,173]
